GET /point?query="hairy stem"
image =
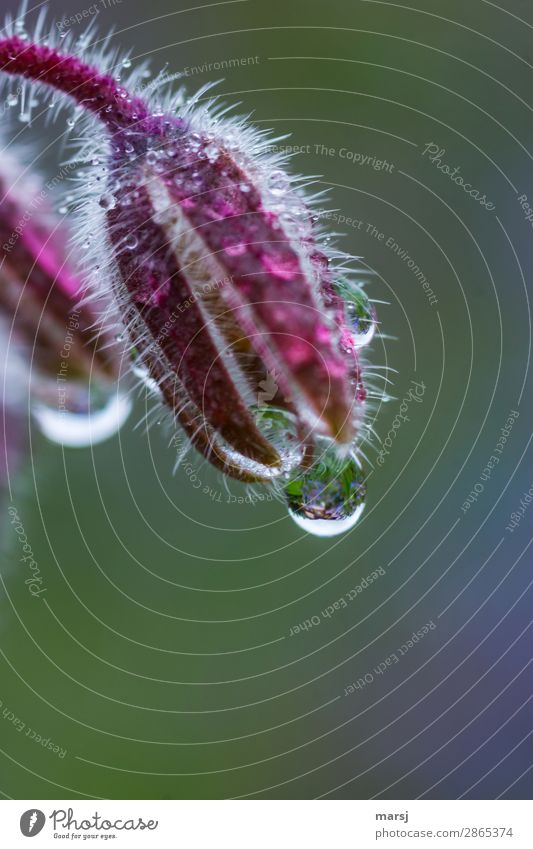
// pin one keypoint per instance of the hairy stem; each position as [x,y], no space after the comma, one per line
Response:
[96,92]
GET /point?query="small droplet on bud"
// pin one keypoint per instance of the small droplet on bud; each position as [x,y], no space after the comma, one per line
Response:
[108,201]
[84,427]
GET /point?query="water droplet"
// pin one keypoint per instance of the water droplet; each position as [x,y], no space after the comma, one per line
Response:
[108,201]
[328,498]
[87,427]
[325,527]
[63,210]
[279,426]
[128,147]
[212,151]
[25,117]
[151,157]
[245,188]
[360,314]
[71,122]
[12,100]
[278,183]
[131,243]
[126,63]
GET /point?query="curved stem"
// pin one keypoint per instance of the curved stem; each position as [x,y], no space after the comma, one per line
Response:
[99,93]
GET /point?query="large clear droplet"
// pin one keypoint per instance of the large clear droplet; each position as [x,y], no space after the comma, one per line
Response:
[78,429]
[360,313]
[328,498]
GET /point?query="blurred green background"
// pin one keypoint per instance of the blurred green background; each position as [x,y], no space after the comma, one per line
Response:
[161,660]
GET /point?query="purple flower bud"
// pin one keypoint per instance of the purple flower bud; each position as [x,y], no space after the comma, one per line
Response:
[218,271]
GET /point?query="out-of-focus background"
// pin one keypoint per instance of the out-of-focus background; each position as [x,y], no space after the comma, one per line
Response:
[172,658]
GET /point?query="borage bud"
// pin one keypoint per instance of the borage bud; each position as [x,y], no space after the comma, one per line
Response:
[52,344]
[219,274]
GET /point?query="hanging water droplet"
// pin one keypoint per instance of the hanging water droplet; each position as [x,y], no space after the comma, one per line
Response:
[278,183]
[108,201]
[24,117]
[71,122]
[63,210]
[328,498]
[131,243]
[12,100]
[126,63]
[360,313]
[87,427]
